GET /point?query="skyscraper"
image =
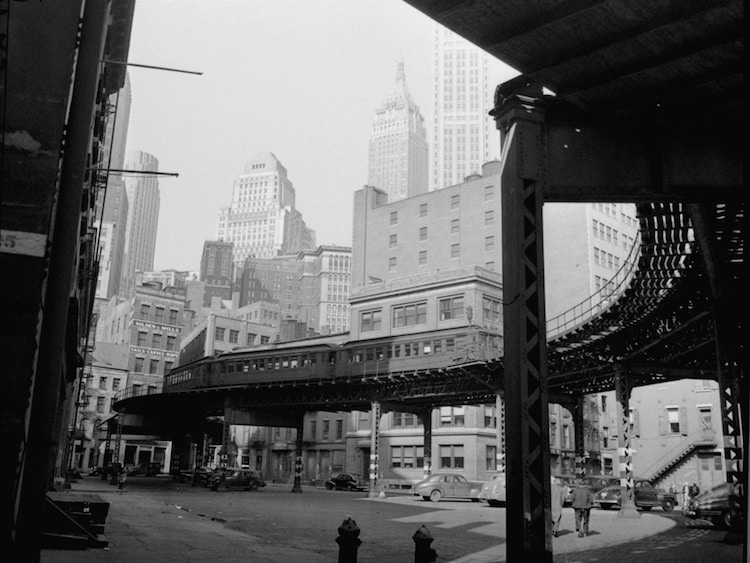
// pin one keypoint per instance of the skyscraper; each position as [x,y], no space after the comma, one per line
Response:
[143,217]
[114,215]
[464,135]
[262,220]
[216,270]
[398,158]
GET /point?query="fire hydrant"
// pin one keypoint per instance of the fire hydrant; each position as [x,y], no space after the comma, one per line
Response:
[348,541]
[423,553]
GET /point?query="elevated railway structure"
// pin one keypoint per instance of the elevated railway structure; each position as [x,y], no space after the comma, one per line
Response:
[645,107]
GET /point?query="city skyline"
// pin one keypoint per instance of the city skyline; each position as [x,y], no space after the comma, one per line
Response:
[299,79]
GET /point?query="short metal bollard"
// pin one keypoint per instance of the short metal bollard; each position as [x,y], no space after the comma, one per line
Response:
[348,541]
[423,553]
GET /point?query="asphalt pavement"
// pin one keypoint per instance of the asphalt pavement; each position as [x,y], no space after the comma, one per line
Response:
[141,529]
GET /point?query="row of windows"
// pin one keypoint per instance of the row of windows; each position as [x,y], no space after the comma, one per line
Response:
[290,361]
[157,340]
[326,430]
[449,308]
[423,347]
[159,313]
[152,365]
[489,246]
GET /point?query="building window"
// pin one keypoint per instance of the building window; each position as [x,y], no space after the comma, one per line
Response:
[251,338]
[604,404]
[173,316]
[101,403]
[566,437]
[455,226]
[704,413]
[423,210]
[370,320]
[168,367]
[145,310]
[455,201]
[553,434]
[339,429]
[391,263]
[489,218]
[171,342]
[451,416]
[159,313]
[422,233]
[491,309]
[153,366]
[141,341]
[490,420]
[451,308]
[137,389]
[234,336]
[326,428]
[219,334]
[489,193]
[115,384]
[138,368]
[403,420]
[313,430]
[605,437]
[422,257]
[489,243]
[673,420]
[393,241]
[490,463]
[151,390]
[363,422]
[409,315]
[455,250]
[103,383]
[394,217]
[452,457]
[156,340]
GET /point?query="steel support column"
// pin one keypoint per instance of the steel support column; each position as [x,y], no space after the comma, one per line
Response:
[298,467]
[521,122]
[625,452]
[425,415]
[580,438]
[500,433]
[374,436]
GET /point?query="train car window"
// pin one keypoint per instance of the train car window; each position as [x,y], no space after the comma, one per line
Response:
[245,366]
[355,356]
[397,350]
[461,341]
[407,350]
[294,362]
[438,346]
[379,353]
[331,358]
[269,363]
[388,352]
[285,362]
[450,344]
[427,348]
[415,348]
[222,367]
[313,360]
[276,363]
[369,354]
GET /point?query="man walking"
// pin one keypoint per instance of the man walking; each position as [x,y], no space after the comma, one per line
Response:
[583,501]
[557,496]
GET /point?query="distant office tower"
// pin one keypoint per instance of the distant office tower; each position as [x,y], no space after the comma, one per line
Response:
[143,217]
[113,224]
[464,135]
[262,220]
[398,160]
[326,286]
[217,270]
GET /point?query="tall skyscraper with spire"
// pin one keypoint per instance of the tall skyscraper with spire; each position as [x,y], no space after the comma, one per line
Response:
[143,217]
[262,220]
[464,135]
[398,156]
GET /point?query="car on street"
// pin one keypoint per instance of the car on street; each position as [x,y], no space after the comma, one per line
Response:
[447,485]
[645,497]
[714,505]
[236,478]
[493,491]
[346,482]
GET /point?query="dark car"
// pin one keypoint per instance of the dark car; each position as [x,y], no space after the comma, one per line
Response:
[714,505]
[236,478]
[346,482]
[645,497]
[447,485]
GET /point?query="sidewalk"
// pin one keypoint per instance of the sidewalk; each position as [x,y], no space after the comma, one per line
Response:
[140,529]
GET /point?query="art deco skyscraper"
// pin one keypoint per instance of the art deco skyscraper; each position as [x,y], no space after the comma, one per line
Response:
[464,135]
[398,159]
[143,217]
[262,220]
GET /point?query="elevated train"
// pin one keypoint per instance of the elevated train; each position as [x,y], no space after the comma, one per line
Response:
[333,357]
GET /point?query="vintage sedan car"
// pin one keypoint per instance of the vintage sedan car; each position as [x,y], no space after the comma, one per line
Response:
[493,491]
[236,478]
[714,505]
[447,485]
[346,482]
[645,496]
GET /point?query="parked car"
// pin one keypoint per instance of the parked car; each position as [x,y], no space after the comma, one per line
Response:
[493,491]
[714,505]
[447,485]
[645,497]
[346,482]
[236,478]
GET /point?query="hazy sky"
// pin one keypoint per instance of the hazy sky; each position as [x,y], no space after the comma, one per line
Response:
[301,79]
